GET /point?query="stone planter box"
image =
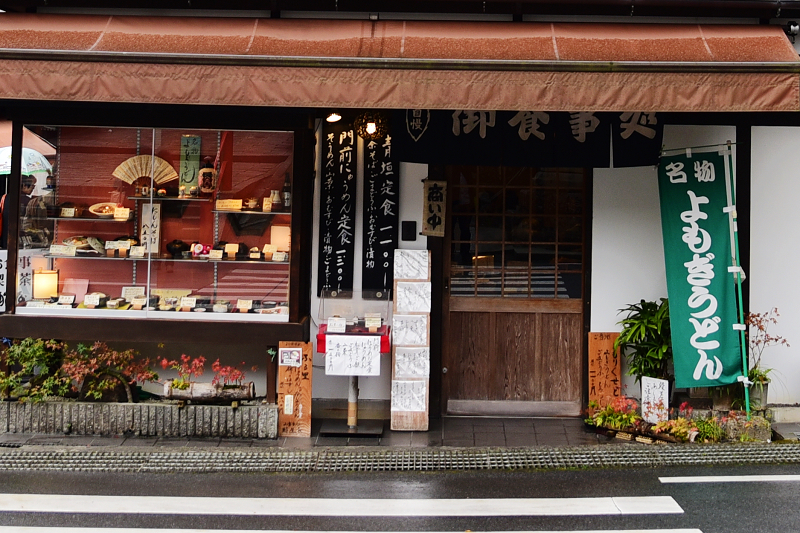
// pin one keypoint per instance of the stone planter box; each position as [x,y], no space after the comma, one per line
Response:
[141,419]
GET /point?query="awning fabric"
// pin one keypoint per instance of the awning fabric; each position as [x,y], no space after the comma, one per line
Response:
[397,64]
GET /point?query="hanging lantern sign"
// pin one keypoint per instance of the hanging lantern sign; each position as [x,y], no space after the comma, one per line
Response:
[433,206]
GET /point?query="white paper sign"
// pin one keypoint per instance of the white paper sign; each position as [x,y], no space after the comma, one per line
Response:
[413,297]
[352,355]
[63,249]
[91,299]
[215,254]
[188,301]
[411,264]
[118,245]
[68,299]
[26,258]
[655,399]
[67,212]
[151,227]
[290,357]
[409,396]
[122,213]
[337,324]
[410,330]
[244,304]
[412,362]
[229,205]
[137,251]
[279,256]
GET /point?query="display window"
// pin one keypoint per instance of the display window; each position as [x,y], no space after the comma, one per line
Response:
[158,223]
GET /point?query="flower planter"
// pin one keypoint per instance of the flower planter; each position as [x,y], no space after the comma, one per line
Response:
[208,392]
[758,395]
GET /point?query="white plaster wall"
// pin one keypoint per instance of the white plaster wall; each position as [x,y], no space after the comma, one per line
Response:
[410,175]
[774,253]
[627,246]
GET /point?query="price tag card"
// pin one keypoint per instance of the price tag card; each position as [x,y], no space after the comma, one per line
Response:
[122,213]
[372,321]
[34,304]
[129,293]
[63,249]
[255,255]
[215,254]
[139,302]
[66,299]
[231,247]
[270,249]
[188,301]
[337,324]
[244,304]
[279,256]
[118,245]
[229,205]
[91,299]
[266,205]
[138,251]
[67,212]
[51,304]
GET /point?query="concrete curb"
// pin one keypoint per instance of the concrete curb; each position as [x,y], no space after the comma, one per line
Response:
[349,459]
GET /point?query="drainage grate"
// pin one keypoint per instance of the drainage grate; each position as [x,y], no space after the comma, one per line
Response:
[431,459]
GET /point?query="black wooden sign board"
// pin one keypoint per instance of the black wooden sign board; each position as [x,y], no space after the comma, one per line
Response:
[526,138]
[381,216]
[337,209]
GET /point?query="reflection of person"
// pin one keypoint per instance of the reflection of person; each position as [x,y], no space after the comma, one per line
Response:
[26,189]
[35,229]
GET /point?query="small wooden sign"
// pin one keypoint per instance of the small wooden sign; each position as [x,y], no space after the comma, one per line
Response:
[294,391]
[604,368]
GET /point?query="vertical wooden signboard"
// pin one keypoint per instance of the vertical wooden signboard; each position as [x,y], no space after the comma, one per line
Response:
[294,389]
[411,341]
[604,368]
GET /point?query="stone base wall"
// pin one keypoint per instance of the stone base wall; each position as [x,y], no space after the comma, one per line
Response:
[142,419]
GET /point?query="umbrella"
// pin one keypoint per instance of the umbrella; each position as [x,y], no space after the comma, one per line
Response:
[32,161]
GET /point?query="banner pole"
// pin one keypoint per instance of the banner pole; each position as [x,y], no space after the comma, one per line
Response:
[738,273]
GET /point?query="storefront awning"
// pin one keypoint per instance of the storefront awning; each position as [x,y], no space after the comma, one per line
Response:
[397,64]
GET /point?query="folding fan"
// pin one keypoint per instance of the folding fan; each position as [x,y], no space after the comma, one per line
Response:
[141,166]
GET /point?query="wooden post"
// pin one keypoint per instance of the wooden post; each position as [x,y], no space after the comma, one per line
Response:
[294,390]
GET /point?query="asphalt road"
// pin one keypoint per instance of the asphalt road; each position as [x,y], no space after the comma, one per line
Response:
[708,507]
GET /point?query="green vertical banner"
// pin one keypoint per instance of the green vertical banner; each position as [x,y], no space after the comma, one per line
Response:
[697,252]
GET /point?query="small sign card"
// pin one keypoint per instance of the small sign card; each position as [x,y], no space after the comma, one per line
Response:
[91,300]
[188,302]
[230,249]
[129,293]
[372,321]
[244,305]
[67,212]
[118,245]
[63,249]
[138,251]
[255,255]
[122,213]
[290,356]
[279,256]
[34,303]
[655,399]
[337,324]
[229,205]
[139,302]
[215,254]
[66,299]
[270,249]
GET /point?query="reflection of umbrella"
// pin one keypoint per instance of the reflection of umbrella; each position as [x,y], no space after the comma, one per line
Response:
[32,161]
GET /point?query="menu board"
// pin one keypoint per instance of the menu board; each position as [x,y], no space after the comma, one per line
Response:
[337,209]
[381,215]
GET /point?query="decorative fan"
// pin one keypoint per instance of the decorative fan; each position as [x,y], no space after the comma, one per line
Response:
[141,166]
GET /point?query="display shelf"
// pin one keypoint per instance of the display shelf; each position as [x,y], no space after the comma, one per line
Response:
[203,260]
[249,212]
[92,219]
[161,315]
[170,198]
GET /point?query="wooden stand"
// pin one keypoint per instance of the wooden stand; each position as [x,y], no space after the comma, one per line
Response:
[294,393]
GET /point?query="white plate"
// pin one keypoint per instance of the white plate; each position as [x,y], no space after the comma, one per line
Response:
[103,209]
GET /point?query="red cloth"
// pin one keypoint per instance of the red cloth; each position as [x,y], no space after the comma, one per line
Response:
[383,331]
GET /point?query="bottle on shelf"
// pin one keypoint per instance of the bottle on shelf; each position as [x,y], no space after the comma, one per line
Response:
[277,203]
[287,193]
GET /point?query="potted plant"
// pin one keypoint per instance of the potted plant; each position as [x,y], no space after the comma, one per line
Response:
[758,339]
[227,384]
[645,340]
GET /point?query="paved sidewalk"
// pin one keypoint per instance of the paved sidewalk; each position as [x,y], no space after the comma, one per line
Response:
[451,444]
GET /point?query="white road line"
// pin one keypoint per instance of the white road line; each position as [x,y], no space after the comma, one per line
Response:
[22,529]
[182,505]
[729,479]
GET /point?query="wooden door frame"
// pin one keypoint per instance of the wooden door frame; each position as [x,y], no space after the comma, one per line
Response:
[440,248]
